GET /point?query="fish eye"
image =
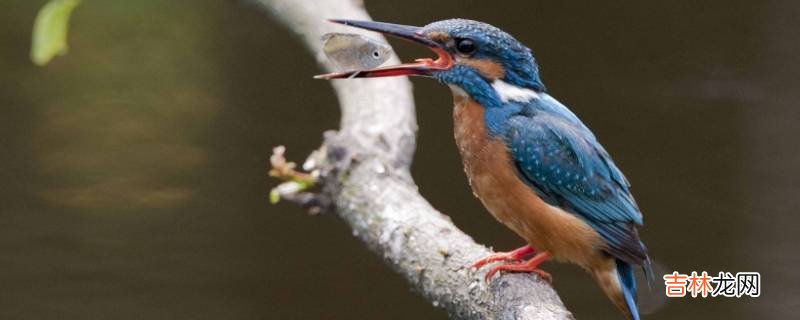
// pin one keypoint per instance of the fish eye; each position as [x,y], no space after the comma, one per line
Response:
[376,54]
[465,46]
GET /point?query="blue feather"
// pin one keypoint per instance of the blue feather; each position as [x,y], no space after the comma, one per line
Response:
[566,166]
[627,283]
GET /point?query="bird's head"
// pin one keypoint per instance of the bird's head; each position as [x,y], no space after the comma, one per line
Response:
[471,56]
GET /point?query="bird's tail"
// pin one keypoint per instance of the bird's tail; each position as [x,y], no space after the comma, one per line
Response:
[616,278]
[627,283]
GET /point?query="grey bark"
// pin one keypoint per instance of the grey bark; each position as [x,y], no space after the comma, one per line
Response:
[365,178]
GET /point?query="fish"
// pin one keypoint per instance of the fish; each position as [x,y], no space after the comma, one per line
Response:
[354,52]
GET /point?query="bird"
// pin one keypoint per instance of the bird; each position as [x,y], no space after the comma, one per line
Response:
[534,165]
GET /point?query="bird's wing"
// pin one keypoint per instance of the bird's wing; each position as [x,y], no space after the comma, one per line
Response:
[569,169]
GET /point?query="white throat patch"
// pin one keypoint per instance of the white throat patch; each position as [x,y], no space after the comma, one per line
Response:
[457,90]
[509,92]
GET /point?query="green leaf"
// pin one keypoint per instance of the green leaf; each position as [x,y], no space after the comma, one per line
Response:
[50,30]
[274,196]
[288,188]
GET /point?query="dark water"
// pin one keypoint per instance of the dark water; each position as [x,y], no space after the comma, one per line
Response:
[134,169]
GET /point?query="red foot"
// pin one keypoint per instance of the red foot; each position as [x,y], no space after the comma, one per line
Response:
[515,256]
[531,265]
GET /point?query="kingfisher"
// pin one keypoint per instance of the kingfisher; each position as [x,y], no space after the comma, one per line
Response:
[532,163]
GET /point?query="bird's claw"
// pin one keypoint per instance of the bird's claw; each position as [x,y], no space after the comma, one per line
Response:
[515,256]
[531,266]
[513,267]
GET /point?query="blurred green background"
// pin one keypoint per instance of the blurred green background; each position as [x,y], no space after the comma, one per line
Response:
[133,169]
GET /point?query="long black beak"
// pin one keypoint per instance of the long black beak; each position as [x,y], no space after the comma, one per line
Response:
[422,67]
[398,30]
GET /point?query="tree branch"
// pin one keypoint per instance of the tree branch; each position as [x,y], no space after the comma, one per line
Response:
[364,174]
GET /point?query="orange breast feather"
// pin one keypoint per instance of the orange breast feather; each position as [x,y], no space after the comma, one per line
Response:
[494,180]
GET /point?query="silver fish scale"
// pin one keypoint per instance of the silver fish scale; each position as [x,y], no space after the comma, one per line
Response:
[354,52]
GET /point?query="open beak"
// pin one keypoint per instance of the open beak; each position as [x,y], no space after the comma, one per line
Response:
[420,67]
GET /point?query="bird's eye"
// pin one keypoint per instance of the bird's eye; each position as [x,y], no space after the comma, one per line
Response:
[465,46]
